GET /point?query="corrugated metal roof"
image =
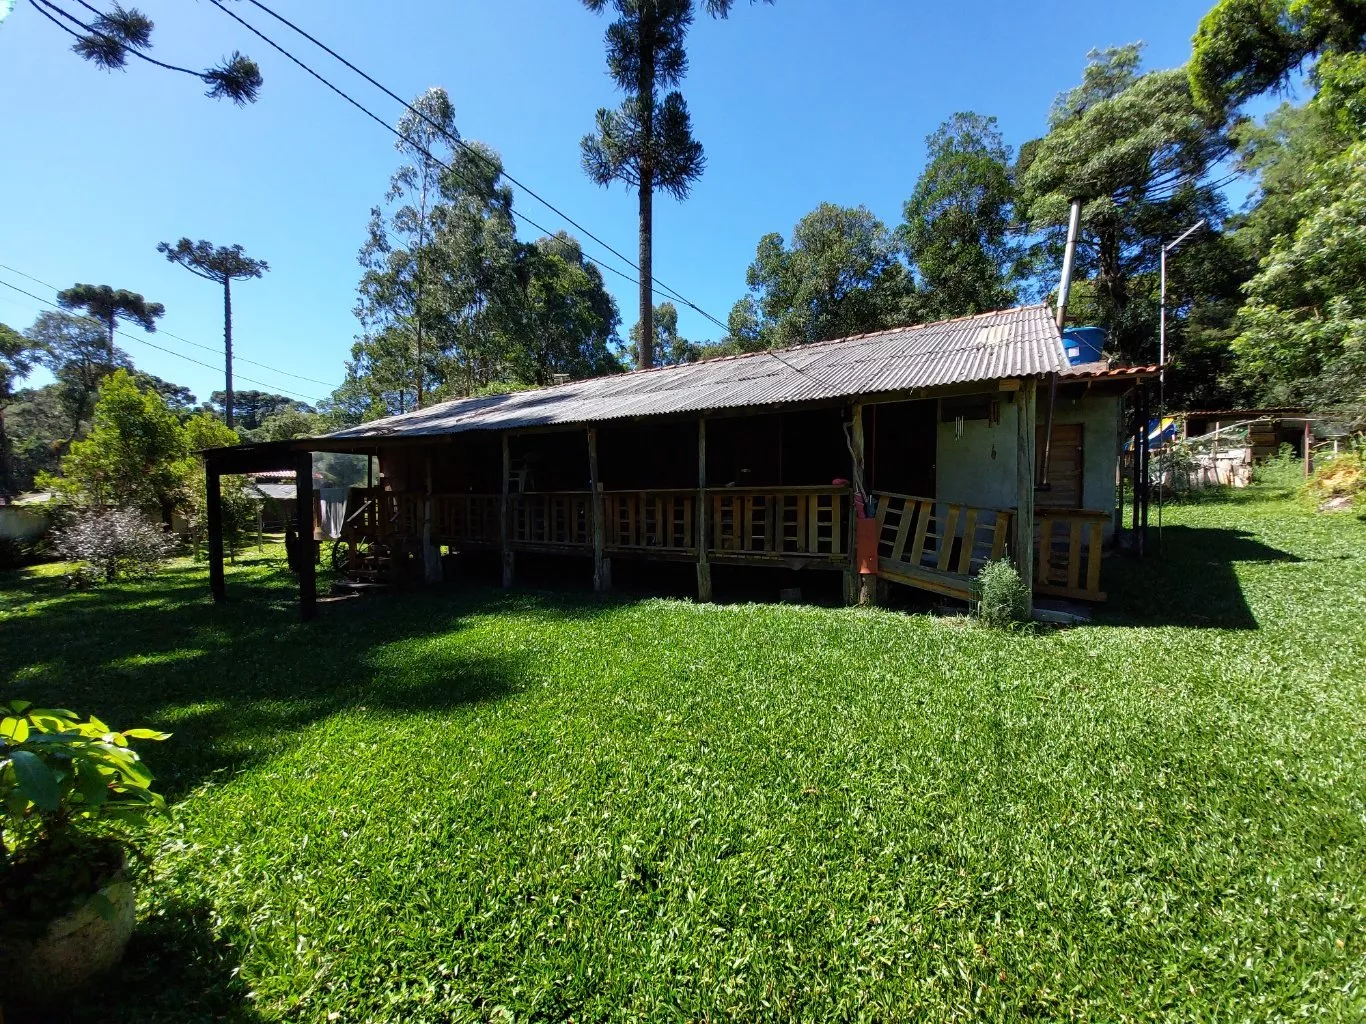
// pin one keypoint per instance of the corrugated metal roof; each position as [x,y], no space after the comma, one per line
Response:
[1008,343]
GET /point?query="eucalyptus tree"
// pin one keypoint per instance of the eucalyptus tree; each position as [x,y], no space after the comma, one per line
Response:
[957,229]
[647,143]
[671,347]
[481,276]
[223,265]
[109,306]
[397,256]
[107,38]
[567,321]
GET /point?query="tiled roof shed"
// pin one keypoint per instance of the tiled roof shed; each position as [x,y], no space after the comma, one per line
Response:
[1018,342]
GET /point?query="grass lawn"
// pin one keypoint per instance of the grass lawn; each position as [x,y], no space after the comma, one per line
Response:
[464,805]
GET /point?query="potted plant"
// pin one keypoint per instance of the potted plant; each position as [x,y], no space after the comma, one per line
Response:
[69,789]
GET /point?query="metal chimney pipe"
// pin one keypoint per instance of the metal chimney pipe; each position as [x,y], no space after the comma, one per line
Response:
[1069,257]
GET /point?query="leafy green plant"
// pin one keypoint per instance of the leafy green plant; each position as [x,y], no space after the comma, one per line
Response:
[1001,595]
[64,781]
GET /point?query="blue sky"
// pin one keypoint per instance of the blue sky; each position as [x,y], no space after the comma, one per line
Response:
[795,105]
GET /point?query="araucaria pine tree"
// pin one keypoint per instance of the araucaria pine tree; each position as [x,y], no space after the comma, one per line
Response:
[647,142]
[108,306]
[223,265]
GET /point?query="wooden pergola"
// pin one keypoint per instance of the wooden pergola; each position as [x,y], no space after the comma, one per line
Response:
[262,458]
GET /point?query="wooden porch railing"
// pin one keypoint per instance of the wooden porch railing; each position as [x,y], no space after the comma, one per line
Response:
[467,518]
[653,521]
[935,545]
[559,520]
[782,522]
[1068,545]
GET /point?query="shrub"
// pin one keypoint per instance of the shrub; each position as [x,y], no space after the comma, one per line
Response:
[63,782]
[1001,595]
[113,543]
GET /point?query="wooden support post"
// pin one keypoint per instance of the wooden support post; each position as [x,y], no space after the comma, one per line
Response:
[703,516]
[860,588]
[505,510]
[431,554]
[1024,486]
[1308,440]
[602,567]
[213,493]
[304,506]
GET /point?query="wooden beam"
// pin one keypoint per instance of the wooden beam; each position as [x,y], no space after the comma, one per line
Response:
[303,518]
[213,495]
[703,515]
[504,509]
[1025,407]
[602,567]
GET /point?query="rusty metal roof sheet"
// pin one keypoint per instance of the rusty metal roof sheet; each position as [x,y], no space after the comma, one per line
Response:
[990,346]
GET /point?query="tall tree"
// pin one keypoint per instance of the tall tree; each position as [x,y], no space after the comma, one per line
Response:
[481,288]
[1302,332]
[568,321]
[17,357]
[958,220]
[75,350]
[109,306]
[1244,48]
[1136,151]
[647,143]
[223,265]
[671,347]
[253,408]
[839,276]
[397,255]
[108,38]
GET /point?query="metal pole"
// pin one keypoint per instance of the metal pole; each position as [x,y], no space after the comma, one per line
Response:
[1162,338]
[1064,293]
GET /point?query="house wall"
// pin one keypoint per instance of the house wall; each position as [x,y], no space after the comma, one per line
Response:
[979,468]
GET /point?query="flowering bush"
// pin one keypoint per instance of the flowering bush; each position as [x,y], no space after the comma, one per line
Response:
[112,543]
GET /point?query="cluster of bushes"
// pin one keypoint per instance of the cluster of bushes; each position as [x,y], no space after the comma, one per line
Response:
[111,544]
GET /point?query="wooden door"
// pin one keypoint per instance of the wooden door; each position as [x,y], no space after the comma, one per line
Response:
[1065,468]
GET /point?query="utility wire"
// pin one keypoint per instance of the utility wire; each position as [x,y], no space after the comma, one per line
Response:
[207,348]
[159,348]
[501,171]
[437,160]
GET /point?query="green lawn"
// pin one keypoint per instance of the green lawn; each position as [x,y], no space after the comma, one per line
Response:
[461,804]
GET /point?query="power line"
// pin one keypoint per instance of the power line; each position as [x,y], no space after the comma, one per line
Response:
[195,344]
[159,348]
[501,171]
[437,160]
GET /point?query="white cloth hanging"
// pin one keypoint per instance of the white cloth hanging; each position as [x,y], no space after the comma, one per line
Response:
[332,506]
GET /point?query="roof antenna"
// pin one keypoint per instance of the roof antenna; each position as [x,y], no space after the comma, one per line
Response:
[1069,257]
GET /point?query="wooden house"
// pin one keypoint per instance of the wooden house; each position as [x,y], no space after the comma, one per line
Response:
[912,455]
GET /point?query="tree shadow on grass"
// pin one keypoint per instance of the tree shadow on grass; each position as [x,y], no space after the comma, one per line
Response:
[1192,581]
[234,682]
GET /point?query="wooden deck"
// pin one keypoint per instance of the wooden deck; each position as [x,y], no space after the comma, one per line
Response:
[922,542]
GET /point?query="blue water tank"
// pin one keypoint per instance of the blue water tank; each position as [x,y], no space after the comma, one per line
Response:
[1084,344]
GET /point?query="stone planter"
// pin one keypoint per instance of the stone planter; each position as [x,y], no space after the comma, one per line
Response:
[76,947]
